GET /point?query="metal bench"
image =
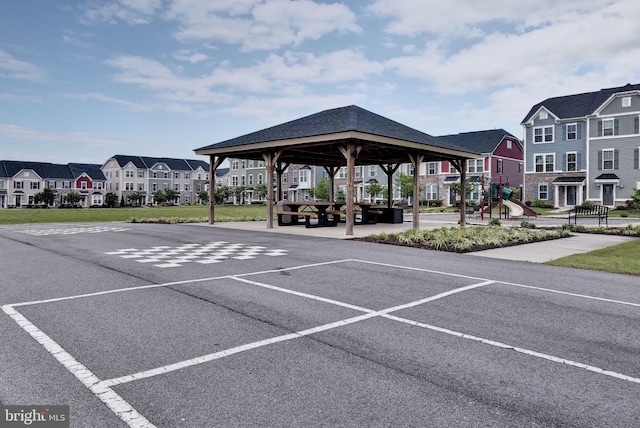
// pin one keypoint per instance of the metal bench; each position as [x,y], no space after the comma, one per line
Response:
[590,211]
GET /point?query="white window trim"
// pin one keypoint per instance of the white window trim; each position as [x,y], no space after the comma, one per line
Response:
[566,167]
[553,131]
[547,191]
[544,163]
[613,159]
[567,133]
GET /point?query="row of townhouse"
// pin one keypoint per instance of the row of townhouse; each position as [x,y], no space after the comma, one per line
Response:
[144,175]
[502,160]
[584,147]
[21,181]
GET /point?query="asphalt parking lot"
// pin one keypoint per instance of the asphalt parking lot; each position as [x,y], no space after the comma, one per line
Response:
[195,326]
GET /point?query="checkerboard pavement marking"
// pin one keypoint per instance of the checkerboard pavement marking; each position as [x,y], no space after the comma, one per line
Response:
[72,230]
[213,252]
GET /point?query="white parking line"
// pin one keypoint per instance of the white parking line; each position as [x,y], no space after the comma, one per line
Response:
[108,396]
[217,355]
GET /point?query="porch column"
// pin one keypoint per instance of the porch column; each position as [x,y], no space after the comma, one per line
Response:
[389,169]
[332,171]
[350,152]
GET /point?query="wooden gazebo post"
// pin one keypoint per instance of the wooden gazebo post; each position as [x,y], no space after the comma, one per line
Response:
[213,165]
[270,160]
[416,160]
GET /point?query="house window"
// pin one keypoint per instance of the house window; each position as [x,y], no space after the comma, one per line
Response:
[304,176]
[608,127]
[432,168]
[243,180]
[358,172]
[572,161]
[373,170]
[176,175]
[140,187]
[250,179]
[244,164]
[431,192]
[234,165]
[83,185]
[543,191]
[127,186]
[140,174]
[475,165]
[410,169]
[96,200]
[572,131]
[66,185]
[18,185]
[234,180]
[260,179]
[166,175]
[1,184]
[154,187]
[51,184]
[343,172]
[608,159]
[295,177]
[509,144]
[154,174]
[35,184]
[499,166]
[543,134]
[544,163]
[117,174]
[284,177]
[99,185]
[186,175]
[128,174]
[176,187]
[186,187]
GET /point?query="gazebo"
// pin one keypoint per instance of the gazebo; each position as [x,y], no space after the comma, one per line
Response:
[345,136]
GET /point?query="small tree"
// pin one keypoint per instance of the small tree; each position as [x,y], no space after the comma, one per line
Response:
[374,189]
[322,189]
[73,198]
[203,195]
[634,202]
[171,196]
[341,196]
[405,184]
[222,193]
[136,198]
[110,200]
[260,191]
[160,197]
[238,192]
[46,197]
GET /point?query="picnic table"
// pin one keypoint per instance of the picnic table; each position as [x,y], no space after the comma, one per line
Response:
[327,213]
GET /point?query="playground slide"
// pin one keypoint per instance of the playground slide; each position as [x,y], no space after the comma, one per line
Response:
[515,210]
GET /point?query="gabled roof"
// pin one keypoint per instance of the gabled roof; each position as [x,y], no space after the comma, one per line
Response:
[43,169]
[94,171]
[314,140]
[146,162]
[480,141]
[579,105]
[221,172]
[47,170]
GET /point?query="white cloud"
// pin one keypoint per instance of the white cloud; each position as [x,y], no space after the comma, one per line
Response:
[190,56]
[13,68]
[257,24]
[551,52]
[129,11]
[82,139]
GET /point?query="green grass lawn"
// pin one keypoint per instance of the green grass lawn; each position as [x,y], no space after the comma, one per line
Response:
[621,258]
[201,212]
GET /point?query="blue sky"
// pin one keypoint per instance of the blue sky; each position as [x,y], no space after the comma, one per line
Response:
[81,81]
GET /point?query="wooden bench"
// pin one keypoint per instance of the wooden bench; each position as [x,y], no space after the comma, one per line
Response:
[590,211]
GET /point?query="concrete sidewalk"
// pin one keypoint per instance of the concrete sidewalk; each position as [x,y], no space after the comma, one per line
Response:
[538,252]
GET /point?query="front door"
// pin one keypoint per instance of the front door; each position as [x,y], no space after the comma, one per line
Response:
[607,195]
[18,201]
[453,196]
[572,192]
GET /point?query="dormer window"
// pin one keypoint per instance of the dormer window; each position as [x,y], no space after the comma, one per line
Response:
[543,115]
[626,101]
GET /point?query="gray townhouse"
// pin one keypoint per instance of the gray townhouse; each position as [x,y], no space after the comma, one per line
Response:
[584,147]
[146,175]
[20,181]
